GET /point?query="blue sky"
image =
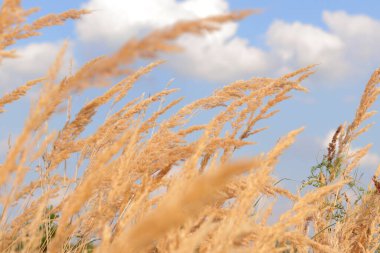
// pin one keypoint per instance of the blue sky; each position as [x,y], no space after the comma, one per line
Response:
[341,36]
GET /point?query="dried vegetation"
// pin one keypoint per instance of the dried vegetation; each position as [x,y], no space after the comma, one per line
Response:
[155,182]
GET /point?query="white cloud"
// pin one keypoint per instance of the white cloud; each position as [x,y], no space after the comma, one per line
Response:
[297,44]
[351,26]
[359,35]
[348,47]
[33,62]
[221,56]
[218,56]
[344,48]
[114,21]
[301,38]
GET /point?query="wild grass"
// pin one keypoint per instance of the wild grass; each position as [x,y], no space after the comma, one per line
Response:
[138,183]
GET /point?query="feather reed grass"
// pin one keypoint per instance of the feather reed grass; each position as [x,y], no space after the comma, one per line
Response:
[142,181]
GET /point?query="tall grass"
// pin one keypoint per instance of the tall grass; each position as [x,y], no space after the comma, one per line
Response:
[147,181]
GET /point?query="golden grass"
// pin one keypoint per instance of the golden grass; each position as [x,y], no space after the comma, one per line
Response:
[138,184]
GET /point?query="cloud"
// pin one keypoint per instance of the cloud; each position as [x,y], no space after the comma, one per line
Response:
[33,62]
[114,21]
[221,56]
[359,36]
[345,47]
[370,160]
[217,57]
[348,47]
[296,45]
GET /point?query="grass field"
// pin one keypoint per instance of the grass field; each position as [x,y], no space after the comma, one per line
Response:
[148,180]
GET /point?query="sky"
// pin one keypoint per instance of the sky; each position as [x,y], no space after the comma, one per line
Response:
[340,36]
